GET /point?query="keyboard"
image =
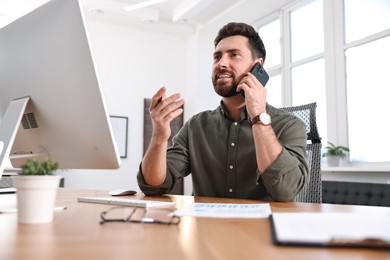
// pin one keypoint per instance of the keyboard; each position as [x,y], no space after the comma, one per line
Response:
[128,202]
[7,190]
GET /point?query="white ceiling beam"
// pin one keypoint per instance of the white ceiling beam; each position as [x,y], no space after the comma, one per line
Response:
[142,4]
[185,7]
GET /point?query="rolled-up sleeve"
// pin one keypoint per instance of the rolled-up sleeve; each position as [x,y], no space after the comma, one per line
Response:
[153,190]
[287,175]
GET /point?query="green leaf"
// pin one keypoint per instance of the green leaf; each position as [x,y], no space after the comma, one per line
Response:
[333,150]
[35,167]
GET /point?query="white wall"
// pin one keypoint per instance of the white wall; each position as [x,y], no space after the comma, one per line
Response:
[133,64]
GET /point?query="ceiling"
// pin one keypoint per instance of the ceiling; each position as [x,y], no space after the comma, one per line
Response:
[168,15]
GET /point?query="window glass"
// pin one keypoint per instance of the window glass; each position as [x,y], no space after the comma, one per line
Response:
[365,17]
[308,85]
[270,34]
[368,84]
[274,91]
[307,31]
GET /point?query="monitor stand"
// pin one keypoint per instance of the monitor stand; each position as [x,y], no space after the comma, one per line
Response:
[9,126]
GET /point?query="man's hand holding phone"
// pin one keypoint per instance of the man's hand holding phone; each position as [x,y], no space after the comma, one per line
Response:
[252,88]
[259,72]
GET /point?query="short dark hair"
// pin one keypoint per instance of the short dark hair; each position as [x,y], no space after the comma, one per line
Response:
[256,44]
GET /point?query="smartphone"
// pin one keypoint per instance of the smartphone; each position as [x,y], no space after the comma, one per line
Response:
[259,72]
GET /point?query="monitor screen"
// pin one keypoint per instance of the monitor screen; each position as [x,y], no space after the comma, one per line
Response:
[46,57]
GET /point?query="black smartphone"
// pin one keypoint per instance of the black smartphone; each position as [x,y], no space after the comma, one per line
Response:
[259,72]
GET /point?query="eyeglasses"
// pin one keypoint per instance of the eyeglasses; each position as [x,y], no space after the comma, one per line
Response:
[139,215]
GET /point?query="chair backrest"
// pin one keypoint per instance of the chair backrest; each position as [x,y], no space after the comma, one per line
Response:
[312,191]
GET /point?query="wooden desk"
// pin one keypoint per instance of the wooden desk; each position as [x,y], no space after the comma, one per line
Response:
[76,234]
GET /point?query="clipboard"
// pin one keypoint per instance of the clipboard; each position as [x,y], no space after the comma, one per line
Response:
[331,230]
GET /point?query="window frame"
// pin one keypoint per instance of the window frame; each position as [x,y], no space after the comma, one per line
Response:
[335,67]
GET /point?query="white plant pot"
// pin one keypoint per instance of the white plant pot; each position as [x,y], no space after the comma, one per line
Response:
[36,196]
[333,161]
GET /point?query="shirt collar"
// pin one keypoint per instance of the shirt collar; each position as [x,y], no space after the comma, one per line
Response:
[244,114]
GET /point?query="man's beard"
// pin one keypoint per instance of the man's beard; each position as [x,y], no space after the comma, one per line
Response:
[224,90]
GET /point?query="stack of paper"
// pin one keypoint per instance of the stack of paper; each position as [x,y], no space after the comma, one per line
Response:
[331,229]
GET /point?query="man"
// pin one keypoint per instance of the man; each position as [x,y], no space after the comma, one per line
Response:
[243,149]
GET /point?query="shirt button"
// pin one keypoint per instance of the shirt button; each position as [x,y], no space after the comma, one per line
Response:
[231,167]
[230,190]
[232,144]
[235,123]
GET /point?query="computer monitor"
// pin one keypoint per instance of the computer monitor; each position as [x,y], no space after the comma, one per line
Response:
[49,82]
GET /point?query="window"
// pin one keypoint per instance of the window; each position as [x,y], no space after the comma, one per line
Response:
[303,60]
[274,91]
[270,34]
[307,31]
[308,82]
[365,17]
[367,56]
[336,53]
[307,59]
[368,102]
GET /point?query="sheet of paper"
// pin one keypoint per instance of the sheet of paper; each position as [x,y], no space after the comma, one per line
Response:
[8,201]
[225,210]
[325,228]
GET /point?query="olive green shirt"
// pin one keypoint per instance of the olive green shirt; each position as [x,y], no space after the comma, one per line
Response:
[219,153]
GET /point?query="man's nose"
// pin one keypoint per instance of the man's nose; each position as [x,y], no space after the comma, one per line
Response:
[223,62]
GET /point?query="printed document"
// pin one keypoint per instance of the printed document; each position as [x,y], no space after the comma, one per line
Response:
[225,210]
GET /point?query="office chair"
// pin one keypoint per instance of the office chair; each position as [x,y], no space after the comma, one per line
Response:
[312,191]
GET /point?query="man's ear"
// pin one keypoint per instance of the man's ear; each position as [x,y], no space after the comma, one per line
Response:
[261,60]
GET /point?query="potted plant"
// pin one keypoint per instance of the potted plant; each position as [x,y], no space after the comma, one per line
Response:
[335,153]
[36,190]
